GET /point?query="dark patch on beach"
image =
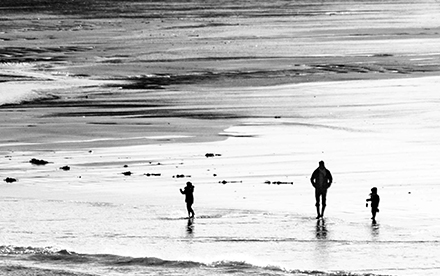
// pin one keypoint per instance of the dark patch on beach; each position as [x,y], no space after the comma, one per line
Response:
[207,114]
[237,135]
[352,68]
[224,182]
[10,180]
[212,24]
[163,9]
[114,123]
[181,176]
[278,182]
[13,77]
[38,54]
[62,7]
[158,113]
[101,103]
[209,154]
[383,55]
[159,81]
[38,162]
[152,174]
[101,106]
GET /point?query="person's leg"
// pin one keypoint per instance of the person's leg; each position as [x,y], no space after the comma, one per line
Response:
[317,198]
[373,212]
[324,201]
[373,219]
[190,210]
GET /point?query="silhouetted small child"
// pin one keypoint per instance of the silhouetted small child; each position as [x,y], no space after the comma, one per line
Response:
[374,198]
[189,198]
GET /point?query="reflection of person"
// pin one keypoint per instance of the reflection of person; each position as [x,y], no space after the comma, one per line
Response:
[322,180]
[321,230]
[374,198]
[189,198]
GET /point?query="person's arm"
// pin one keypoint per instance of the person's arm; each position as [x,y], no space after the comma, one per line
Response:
[181,191]
[313,178]
[330,179]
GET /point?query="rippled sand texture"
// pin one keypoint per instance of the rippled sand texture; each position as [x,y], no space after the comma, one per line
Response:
[56,49]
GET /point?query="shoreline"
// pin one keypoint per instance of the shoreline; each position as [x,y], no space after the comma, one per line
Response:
[127,102]
[147,77]
[81,118]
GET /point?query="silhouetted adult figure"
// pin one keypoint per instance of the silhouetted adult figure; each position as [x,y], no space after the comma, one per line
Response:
[322,180]
[189,198]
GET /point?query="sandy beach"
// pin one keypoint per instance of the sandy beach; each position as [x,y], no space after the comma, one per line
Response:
[128,100]
[92,70]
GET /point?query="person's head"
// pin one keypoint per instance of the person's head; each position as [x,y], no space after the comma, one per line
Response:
[374,190]
[321,164]
[189,184]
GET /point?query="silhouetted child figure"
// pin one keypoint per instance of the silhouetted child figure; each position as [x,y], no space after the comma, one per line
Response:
[189,198]
[374,198]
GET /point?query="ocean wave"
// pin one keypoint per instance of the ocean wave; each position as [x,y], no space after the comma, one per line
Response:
[50,255]
[20,250]
[18,93]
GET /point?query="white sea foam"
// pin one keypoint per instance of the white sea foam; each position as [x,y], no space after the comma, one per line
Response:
[15,93]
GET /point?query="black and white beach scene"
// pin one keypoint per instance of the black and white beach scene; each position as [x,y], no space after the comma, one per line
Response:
[200,137]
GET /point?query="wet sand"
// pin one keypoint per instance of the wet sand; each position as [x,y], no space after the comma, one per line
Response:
[151,88]
[132,67]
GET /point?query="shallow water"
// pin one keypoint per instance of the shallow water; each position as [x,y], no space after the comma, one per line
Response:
[157,239]
[244,226]
[155,86]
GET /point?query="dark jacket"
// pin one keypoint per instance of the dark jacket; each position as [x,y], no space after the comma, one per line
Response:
[188,192]
[374,198]
[328,178]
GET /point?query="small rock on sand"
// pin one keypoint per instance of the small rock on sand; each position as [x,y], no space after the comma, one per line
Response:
[35,161]
[212,155]
[10,180]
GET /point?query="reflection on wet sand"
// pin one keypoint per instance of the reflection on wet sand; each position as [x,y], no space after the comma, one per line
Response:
[321,229]
[375,230]
[190,227]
